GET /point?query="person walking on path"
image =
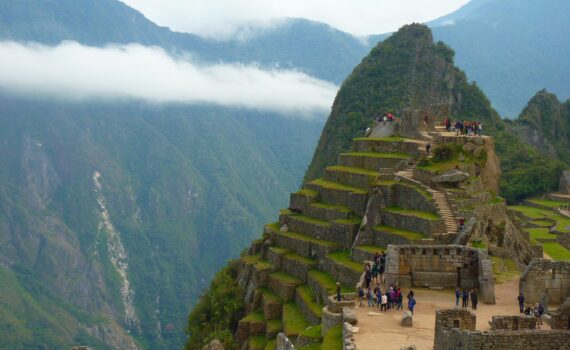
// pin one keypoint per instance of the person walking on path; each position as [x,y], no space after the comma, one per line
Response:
[521,302]
[412,304]
[338,289]
[399,298]
[375,271]
[370,298]
[428,148]
[384,305]
[474,298]
[538,312]
[360,296]
[457,296]
[465,298]
[379,298]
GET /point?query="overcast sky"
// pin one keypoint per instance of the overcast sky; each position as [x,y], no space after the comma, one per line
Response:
[221,18]
[76,72]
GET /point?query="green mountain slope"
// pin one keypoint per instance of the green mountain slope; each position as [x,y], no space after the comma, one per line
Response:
[184,190]
[409,71]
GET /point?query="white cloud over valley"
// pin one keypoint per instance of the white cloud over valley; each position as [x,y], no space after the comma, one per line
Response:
[223,18]
[74,71]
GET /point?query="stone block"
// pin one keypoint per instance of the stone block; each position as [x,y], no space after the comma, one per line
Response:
[349,315]
[407,319]
[434,279]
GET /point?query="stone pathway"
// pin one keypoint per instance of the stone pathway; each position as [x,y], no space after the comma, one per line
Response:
[383,331]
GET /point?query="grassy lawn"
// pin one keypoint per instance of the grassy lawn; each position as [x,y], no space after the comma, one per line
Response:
[335,207]
[270,345]
[256,317]
[293,320]
[556,251]
[343,258]
[371,249]
[274,326]
[504,269]
[419,214]
[307,193]
[547,203]
[336,186]
[537,233]
[300,259]
[327,282]
[286,278]
[333,339]
[377,155]
[306,238]
[257,343]
[531,212]
[270,295]
[352,221]
[479,245]
[306,294]
[387,139]
[411,235]
[311,220]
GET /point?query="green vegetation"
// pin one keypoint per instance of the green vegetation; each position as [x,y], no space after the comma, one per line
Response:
[343,258]
[337,186]
[335,207]
[479,245]
[504,269]
[274,326]
[294,323]
[540,233]
[286,278]
[300,259]
[351,170]
[218,311]
[371,249]
[333,339]
[270,295]
[377,155]
[306,238]
[306,294]
[279,250]
[315,346]
[536,214]
[270,345]
[556,251]
[327,282]
[311,220]
[313,332]
[351,221]
[411,235]
[416,213]
[393,138]
[307,193]
[257,342]
[256,317]
[547,203]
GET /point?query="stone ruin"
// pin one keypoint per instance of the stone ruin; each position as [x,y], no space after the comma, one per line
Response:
[546,282]
[441,266]
[455,329]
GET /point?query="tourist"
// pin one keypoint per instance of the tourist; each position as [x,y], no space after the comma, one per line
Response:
[393,297]
[447,124]
[461,222]
[388,299]
[379,298]
[528,311]
[338,290]
[426,119]
[474,298]
[360,296]
[457,296]
[480,129]
[411,304]
[399,298]
[538,312]
[384,305]
[428,148]
[410,295]
[367,276]
[370,298]
[375,271]
[521,302]
[465,298]
[368,132]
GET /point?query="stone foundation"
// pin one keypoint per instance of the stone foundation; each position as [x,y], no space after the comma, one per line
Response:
[545,278]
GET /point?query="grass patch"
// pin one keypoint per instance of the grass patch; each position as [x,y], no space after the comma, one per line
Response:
[293,320]
[336,186]
[371,249]
[300,259]
[531,212]
[286,278]
[311,220]
[279,250]
[306,294]
[351,221]
[314,332]
[254,317]
[542,223]
[377,155]
[387,139]
[270,295]
[504,269]
[556,251]
[251,259]
[333,339]
[327,282]
[343,258]
[273,226]
[416,213]
[264,265]
[538,233]
[335,207]
[535,214]
[270,344]
[547,203]
[479,245]
[315,346]
[287,212]
[418,189]
[306,238]
[410,235]
[257,343]
[274,326]
[351,170]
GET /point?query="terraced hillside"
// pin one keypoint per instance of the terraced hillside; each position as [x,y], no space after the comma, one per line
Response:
[539,217]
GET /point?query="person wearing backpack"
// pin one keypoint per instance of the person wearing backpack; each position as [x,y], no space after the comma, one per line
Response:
[369,297]
[360,296]
[411,304]
[465,298]
[399,298]
[457,296]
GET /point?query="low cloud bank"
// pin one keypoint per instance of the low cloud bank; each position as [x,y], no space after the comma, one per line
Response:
[77,72]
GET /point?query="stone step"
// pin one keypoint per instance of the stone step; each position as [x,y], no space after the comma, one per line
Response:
[284,284]
[327,212]
[275,256]
[297,265]
[272,328]
[323,285]
[300,200]
[352,177]
[305,225]
[338,194]
[257,268]
[310,308]
[251,326]
[412,220]
[341,268]
[304,245]
[271,304]
[297,328]
[386,235]
[372,161]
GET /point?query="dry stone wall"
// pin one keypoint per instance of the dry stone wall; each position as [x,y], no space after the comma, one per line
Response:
[546,279]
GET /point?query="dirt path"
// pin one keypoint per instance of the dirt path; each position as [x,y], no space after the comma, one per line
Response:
[384,331]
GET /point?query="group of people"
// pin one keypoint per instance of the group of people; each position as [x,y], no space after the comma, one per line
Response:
[386,117]
[537,310]
[465,296]
[391,298]
[465,127]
